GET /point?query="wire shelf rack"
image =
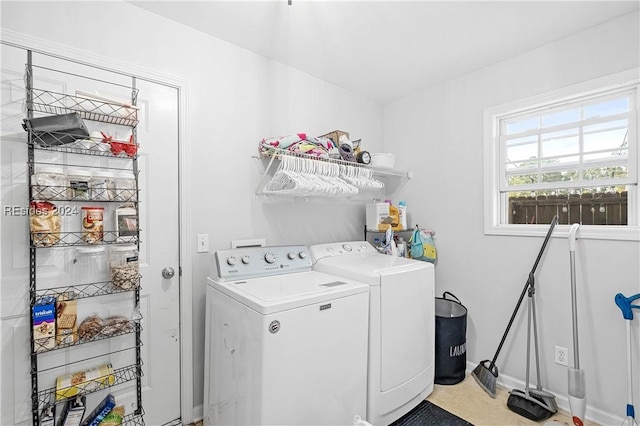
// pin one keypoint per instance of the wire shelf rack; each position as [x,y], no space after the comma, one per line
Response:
[48,397]
[88,109]
[131,326]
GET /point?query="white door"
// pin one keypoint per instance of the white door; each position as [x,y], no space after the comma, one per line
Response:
[159,247]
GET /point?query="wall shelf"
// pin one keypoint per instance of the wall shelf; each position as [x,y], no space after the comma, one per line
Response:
[272,160]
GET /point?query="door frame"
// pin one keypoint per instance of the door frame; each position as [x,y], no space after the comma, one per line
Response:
[70,53]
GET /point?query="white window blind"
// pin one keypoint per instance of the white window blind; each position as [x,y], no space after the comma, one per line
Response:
[582,142]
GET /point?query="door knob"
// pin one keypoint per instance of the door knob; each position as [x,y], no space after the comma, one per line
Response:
[168,272]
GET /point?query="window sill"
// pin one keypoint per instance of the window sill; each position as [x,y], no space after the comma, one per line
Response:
[591,232]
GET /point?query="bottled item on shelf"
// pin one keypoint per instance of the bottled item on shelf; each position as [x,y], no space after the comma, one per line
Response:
[124,186]
[402,212]
[79,180]
[49,182]
[402,247]
[92,224]
[376,214]
[101,185]
[395,217]
[90,265]
[126,223]
[123,265]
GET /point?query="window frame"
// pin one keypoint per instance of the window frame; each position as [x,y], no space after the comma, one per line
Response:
[495,214]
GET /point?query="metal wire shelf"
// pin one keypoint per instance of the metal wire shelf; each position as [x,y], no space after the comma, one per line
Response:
[88,109]
[134,419]
[276,153]
[56,141]
[103,195]
[132,326]
[47,397]
[85,290]
[67,239]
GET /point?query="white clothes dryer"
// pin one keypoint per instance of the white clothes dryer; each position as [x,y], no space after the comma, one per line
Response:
[401,324]
[284,345]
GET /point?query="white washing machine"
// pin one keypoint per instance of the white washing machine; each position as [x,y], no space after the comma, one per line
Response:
[284,345]
[401,324]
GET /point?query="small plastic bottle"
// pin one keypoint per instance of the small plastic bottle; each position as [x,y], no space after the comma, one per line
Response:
[402,247]
[79,181]
[102,185]
[49,182]
[402,212]
[124,186]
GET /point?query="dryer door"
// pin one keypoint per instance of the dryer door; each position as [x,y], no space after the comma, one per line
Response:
[407,320]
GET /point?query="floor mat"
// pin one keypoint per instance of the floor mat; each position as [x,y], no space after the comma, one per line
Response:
[428,414]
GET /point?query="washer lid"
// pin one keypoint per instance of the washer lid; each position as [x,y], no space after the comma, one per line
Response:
[267,295]
[368,267]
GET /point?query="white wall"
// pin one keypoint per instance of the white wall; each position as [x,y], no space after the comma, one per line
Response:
[234,99]
[438,134]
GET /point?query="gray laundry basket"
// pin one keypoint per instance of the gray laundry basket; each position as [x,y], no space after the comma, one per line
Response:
[451,340]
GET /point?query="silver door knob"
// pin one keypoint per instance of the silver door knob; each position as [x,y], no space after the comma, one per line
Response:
[168,272]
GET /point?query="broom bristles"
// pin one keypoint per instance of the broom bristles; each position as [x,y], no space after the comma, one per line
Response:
[486,378]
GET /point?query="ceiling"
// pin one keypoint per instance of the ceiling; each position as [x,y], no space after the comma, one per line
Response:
[388,49]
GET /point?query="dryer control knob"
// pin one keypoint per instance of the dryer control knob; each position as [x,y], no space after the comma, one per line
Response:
[346,247]
[231,260]
[291,255]
[302,255]
[246,260]
[270,257]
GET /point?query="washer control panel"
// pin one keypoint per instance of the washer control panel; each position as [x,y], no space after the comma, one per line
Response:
[340,249]
[252,262]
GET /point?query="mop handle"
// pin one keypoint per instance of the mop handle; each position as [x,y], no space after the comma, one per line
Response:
[630,408]
[554,221]
[574,299]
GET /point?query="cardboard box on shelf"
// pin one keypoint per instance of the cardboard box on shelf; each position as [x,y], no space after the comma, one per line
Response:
[72,384]
[44,324]
[66,319]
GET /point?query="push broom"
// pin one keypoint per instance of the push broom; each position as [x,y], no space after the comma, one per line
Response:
[486,373]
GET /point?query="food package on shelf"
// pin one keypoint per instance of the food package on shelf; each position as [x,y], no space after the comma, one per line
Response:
[66,319]
[72,384]
[44,223]
[44,324]
[73,411]
[100,412]
[114,418]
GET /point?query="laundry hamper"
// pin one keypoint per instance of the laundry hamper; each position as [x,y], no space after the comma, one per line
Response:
[451,340]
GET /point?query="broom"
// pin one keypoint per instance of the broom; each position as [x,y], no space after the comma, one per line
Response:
[486,373]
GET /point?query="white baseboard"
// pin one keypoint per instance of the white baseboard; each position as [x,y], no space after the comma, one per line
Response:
[198,413]
[592,414]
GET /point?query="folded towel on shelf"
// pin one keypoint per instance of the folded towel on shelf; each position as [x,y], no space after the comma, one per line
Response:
[299,143]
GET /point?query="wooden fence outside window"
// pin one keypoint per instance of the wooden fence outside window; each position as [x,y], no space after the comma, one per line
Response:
[586,209]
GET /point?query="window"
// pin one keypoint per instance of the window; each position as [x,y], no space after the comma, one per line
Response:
[571,153]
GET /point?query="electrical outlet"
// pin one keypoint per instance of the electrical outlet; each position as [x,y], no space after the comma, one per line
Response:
[562,356]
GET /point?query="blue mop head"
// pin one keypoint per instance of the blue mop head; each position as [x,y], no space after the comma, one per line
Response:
[624,303]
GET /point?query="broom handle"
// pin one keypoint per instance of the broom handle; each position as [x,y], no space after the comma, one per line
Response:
[524,291]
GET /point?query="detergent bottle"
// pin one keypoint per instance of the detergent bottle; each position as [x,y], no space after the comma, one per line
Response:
[402,212]
[395,216]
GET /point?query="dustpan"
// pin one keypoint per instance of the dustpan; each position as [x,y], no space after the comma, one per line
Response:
[534,404]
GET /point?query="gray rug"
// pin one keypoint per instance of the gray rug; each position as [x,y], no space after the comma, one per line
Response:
[428,414]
